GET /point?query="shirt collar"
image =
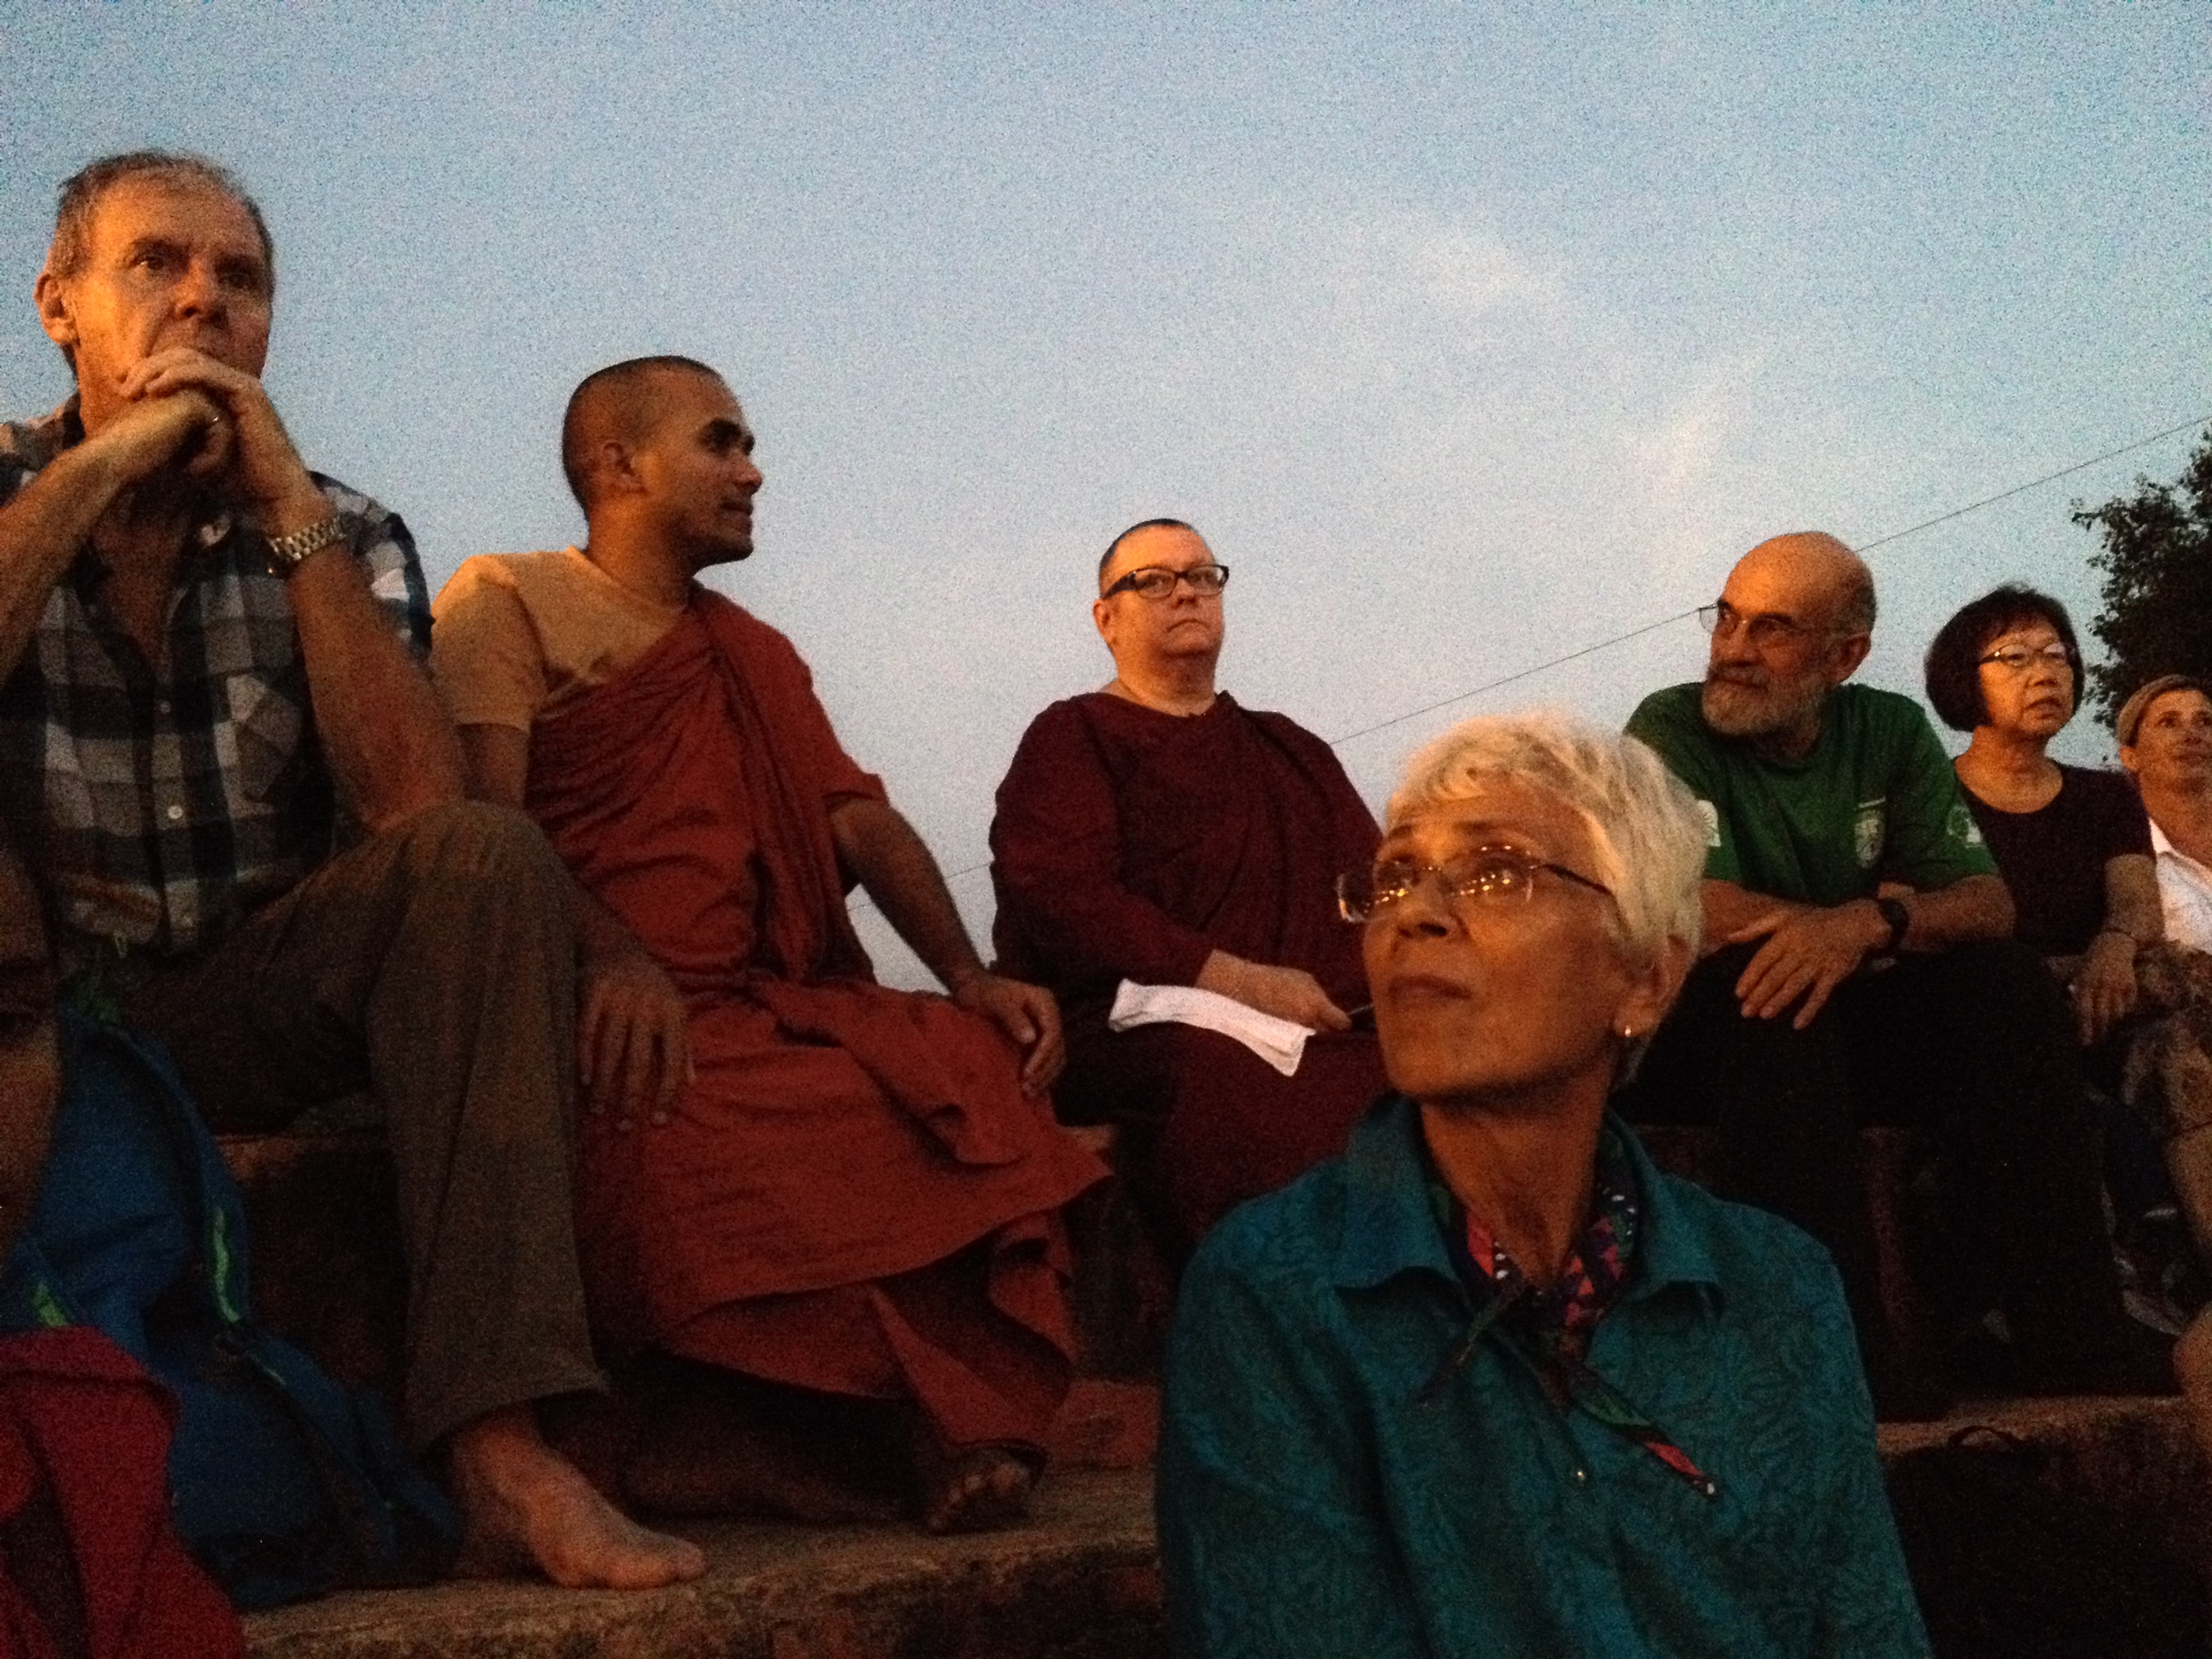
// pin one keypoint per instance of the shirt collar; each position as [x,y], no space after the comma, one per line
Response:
[1387,1228]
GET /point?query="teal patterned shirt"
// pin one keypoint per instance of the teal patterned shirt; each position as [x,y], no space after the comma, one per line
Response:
[1311,1503]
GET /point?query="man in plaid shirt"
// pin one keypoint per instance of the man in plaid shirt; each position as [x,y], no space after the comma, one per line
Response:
[244,807]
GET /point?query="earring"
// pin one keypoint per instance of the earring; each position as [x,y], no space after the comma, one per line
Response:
[1628,1033]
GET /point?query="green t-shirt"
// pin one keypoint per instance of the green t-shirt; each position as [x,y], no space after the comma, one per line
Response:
[1875,801]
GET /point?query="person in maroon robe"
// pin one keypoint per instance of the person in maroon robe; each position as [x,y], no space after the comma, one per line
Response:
[1154,832]
[792,1175]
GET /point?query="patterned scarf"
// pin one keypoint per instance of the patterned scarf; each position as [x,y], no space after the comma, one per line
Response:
[1551,1328]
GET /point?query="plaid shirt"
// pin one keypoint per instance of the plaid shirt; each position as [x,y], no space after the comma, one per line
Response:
[163,803]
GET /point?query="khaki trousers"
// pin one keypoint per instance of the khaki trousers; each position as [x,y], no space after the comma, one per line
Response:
[434,966]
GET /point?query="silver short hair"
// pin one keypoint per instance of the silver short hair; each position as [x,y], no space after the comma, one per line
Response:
[1646,832]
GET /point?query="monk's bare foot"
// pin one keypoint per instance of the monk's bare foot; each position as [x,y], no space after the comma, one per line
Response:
[525,1509]
[975,1489]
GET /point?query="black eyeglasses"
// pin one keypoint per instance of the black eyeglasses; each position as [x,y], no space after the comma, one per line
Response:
[1489,875]
[1157,582]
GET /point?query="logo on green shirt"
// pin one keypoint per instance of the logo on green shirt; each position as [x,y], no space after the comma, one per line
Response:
[1866,832]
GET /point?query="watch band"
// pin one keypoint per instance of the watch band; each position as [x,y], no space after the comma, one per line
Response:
[1900,920]
[287,553]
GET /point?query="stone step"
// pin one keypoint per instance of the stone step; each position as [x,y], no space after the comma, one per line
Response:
[1080,1581]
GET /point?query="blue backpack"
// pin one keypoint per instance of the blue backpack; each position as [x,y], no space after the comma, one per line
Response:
[282,1483]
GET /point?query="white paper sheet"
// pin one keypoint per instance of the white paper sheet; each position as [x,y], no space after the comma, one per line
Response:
[1280,1042]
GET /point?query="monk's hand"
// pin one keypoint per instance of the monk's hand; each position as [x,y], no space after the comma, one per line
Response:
[2104,986]
[1290,994]
[1809,952]
[632,1041]
[1024,1012]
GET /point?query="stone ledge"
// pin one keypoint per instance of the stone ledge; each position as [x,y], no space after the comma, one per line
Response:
[2136,1460]
[1080,1581]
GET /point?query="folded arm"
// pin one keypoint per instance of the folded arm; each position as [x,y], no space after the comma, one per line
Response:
[390,745]
[1809,950]
[2104,987]
[1057,852]
[46,524]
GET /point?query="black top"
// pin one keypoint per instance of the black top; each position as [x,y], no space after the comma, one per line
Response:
[2054,858]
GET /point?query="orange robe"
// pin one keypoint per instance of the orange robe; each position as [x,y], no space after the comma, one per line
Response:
[854,1195]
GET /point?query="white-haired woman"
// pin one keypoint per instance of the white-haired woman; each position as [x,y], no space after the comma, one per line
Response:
[1492,1383]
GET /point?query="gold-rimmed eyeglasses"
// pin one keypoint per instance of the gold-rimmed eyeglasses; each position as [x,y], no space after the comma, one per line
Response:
[1486,875]
[2017,659]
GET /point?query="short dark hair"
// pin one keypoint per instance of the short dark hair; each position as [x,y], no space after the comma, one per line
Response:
[1114,546]
[1954,661]
[624,381]
[81,193]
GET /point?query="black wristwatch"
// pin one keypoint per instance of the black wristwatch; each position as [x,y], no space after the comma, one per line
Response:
[1900,919]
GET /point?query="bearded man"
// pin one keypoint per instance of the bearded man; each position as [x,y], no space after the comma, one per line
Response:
[1858,970]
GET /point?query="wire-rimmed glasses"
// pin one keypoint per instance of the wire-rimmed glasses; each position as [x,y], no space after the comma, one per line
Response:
[1489,875]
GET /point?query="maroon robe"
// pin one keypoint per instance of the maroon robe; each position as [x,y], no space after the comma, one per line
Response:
[1129,844]
[854,1195]
[84,1495]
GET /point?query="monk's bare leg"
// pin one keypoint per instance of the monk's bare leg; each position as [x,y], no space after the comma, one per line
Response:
[525,1509]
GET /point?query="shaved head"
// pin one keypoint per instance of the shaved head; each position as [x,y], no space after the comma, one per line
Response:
[1106,559]
[1833,579]
[617,404]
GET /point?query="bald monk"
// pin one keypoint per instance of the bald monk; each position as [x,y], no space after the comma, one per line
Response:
[1155,832]
[789,1175]
[1817,794]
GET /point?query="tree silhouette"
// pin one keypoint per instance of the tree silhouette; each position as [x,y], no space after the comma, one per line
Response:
[2157,565]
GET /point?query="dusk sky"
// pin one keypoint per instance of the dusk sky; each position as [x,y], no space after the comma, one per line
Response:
[1467,337]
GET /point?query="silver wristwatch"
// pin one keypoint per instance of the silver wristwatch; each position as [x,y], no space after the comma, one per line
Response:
[287,553]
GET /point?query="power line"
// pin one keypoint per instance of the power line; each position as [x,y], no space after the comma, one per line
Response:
[2038,483]
[1865,547]
[1683,615]
[1518,674]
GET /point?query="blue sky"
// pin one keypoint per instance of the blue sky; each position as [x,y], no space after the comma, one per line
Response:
[1468,336]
